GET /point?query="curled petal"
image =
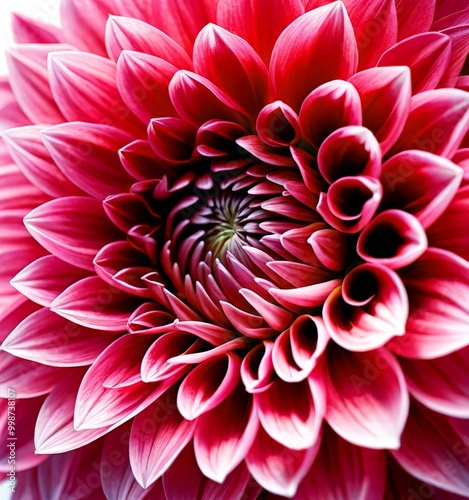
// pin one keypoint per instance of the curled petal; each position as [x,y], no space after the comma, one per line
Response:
[72,228]
[385,95]
[301,45]
[278,125]
[371,308]
[128,34]
[394,239]
[257,370]
[306,296]
[331,248]
[350,203]
[437,122]
[367,399]
[420,183]
[172,140]
[349,151]
[86,153]
[330,106]
[437,323]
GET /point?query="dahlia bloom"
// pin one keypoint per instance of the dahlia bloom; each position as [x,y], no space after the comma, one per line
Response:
[235,250]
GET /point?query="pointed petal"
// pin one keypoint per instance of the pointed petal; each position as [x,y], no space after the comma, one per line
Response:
[125,33]
[437,122]
[437,323]
[420,183]
[72,228]
[84,88]
[87,155]
[427,55]
[301,45]
[367,399]
[46,278]
[28,30]
[159,433]
[385,95]
[306,296]
[93,303]
[32,158]
[224,435]
[371,308]
[344,471]
[330,106]
[440,461]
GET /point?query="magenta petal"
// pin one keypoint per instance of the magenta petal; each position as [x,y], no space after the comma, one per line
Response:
[47,338]
[437,323]
[439,383]
[278,125]
[427,55]
[207,385]
[224,435]
[94,304]
[300,46]
[159,433]
[437,122]
[414,16]
[28,30]
[370,308]
[247,18]
[232,64]
[72,228]
[459,51]
[291,414]
[125,33]
[27,66]
[420,183]
[84,87]
[385,95]
[257,370]
[426,458]
[27,149]
[330,106]
[342,470]
[278,468]
[367,399]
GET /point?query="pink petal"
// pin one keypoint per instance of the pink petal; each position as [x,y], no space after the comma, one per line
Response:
[224,435]
[257,370]
[349,151]
[291,414]
[344,471]
[437,122]
[427,55]
[420,183]
[93,303]
[277,468]
[414,16]
[301,45]
[306,296]
[278,125]
[55,432]
[393,239]
[11,113]
[367,399]
[32,158]
[24,413]
[143,82]
[385,95]
[84,88]
[72,228]
[330,106]
[459,51]
[27,67]
[375,27]
[371,308]
[231,63]
[159,433]
[139,160]
[272,156]
[46,278]
[125,33]
[426,458]
[247,18]
[28,30]
[439,383]
[172,140]
[207,385]
[100,174]
[296,350]
[437,323]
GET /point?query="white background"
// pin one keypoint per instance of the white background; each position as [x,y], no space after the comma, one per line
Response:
[42,10]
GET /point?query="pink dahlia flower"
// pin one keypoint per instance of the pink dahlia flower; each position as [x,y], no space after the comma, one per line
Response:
[235,251]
